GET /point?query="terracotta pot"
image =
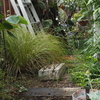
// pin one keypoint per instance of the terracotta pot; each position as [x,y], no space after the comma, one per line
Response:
[81,94]
[83,22]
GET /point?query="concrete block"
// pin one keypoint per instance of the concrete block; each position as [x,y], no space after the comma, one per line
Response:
[53,71]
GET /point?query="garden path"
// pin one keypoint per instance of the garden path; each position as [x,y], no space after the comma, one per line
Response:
[49,89]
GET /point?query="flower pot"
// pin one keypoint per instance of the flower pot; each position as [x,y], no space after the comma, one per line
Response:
[81,94]
[83,22]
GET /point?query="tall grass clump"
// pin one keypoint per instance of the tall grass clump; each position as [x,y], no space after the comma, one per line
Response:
[27,53]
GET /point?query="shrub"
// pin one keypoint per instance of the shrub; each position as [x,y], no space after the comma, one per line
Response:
[27,53]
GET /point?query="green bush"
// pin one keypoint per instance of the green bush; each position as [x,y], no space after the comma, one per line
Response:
[78,78]
[78,72]
[1,83]
[27,53]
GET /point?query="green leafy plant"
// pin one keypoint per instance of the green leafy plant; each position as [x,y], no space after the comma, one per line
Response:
[92,47]
[88,74]
[8,23]
[94,95]
[78,72]
[23,89]
[15,19]
[5,26]
[76,16]
[78,78]
[47,23]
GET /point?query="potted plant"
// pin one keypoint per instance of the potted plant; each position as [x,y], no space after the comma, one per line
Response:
[83,22]
[81,95]
[95,95]
[86,94]
[80,18]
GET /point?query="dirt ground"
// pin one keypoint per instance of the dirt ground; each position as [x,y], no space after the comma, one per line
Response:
[37,83]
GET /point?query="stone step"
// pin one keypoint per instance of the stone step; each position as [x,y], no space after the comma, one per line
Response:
[53,71]
[50,91]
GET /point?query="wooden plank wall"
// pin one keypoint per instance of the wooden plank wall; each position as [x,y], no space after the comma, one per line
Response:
[7,8]
[1,7]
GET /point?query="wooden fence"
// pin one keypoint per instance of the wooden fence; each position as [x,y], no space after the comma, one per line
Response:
[6,8]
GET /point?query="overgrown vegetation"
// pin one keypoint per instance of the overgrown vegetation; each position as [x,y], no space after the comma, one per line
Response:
[25,54]
[78,72]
